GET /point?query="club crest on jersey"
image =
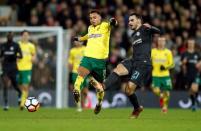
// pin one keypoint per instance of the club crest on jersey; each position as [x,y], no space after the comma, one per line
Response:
[138,34]
[11,48]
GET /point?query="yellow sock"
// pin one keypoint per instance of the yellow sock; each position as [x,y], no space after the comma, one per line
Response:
[100,96]
[166,100]
[78,82]
[23,98]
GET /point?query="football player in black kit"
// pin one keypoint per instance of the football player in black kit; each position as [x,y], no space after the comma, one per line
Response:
[138,68]
[191,62]
[9,52]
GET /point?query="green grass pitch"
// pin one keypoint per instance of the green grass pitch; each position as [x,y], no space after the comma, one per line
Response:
[108,120]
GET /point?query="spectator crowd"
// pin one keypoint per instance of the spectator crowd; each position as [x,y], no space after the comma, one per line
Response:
[178,21]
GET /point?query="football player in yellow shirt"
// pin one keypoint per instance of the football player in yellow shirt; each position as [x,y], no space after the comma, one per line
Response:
[162,62]
[96,53]
[75,56]
[25,65]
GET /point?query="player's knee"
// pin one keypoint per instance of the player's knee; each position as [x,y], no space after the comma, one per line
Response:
[130,88]
[156,90]
[83,71]
[194,88]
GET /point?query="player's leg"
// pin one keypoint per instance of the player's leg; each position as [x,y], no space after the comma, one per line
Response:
[82,73]
[156,84]
[6,84]
[15,86]
[193,91]
[25,79]
[130,92]
[83,70]
[114,77]
[167,86]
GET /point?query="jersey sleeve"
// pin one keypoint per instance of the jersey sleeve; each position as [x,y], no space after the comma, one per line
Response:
[106,26]
[84,38]
[170,63]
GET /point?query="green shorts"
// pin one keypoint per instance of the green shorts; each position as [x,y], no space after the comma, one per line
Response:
[164,83]
[84,84]
[97,67]
[24,77]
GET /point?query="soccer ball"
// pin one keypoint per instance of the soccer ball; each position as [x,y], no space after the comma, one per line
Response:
[32,104]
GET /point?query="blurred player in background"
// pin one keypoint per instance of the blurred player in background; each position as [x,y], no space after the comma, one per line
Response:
[96,53]
[25,65]
[10,52]
[75,56]
[138,68]
[162,62]
[191,60]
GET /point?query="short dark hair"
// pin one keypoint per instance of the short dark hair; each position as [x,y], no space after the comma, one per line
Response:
[24,31]
[95,11]
[137,16]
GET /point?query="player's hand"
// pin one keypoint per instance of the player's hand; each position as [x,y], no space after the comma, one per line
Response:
[147,25]
[162,68]
[76,39]
[113,21]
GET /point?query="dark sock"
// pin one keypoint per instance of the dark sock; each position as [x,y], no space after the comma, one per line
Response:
[192,99]
[196,97]
[5,96]
[134,101]
[111,80]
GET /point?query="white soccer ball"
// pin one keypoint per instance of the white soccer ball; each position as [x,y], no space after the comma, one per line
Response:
[32,104]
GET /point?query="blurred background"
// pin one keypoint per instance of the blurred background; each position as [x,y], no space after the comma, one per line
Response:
[177,19]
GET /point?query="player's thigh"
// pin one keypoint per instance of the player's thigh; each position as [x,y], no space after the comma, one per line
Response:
[124,67]
[156,83]
[85,66]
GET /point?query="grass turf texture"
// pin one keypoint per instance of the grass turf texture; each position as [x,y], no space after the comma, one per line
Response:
[108,120]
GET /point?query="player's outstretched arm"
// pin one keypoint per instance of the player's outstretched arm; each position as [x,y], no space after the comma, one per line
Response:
[82,38]
[152,28]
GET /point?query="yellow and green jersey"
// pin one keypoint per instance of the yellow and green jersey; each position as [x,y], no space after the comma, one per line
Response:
[75,57]
[97,41]
[161,57]
[28,51]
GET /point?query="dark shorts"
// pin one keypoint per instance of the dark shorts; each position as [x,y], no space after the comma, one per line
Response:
[139,72]
[192,78]
[10,72]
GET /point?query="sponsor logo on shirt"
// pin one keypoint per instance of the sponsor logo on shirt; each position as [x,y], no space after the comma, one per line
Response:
[95,35]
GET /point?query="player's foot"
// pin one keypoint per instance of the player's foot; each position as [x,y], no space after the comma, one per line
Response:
[136,112]
[76,95]
[164,110]
[21,108]
[79,109]
[5,108]
[194,108]
[97,108]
